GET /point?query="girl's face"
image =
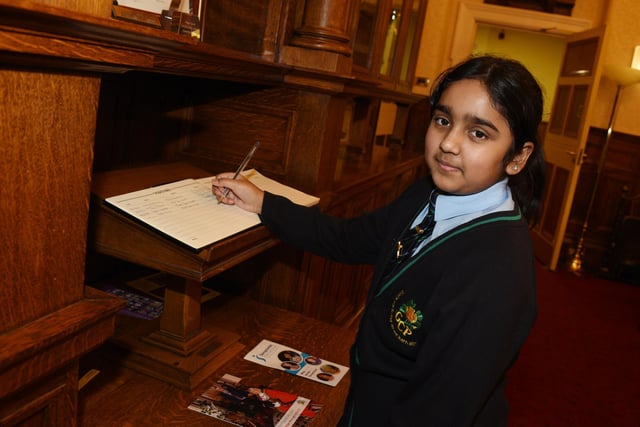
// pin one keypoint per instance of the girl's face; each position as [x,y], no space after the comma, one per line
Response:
[467,141]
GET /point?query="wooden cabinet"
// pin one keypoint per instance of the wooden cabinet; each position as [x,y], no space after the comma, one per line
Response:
[302,132]
[387,40]
[313,34]
[47,317]
[85,93]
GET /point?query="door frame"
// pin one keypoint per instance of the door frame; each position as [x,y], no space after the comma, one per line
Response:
[565,152]
[470,14]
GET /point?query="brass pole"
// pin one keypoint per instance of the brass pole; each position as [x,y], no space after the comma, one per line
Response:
[576,263]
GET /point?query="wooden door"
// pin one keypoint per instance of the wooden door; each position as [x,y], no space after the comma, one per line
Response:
[566,138]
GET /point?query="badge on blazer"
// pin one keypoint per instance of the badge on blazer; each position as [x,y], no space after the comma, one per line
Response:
[405,319]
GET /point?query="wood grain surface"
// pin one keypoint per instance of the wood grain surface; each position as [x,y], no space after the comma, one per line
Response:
[121,397]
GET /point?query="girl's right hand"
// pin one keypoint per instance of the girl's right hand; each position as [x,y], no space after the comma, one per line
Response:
[242,192]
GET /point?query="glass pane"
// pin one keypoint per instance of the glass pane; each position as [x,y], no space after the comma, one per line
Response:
[580,58]
[408,47]
[365,33]
[559,109]
[391,38]
[575,110]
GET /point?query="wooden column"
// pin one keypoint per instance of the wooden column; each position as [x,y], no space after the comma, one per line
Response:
[180,329]
[325,26]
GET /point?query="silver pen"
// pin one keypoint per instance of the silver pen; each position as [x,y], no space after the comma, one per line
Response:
[241,167]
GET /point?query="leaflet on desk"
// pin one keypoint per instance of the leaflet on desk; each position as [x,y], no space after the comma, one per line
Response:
[251,405]
[188,212]
[296,362]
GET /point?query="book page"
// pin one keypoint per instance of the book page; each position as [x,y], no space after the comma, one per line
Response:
[188,212]
[274,187]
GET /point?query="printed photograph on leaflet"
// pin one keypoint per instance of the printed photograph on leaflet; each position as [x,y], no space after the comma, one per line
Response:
[254,406]
[296,362]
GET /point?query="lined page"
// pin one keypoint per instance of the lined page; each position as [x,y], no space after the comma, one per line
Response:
[186,211]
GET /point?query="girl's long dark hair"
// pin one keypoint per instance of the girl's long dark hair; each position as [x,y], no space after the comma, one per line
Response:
[515,93]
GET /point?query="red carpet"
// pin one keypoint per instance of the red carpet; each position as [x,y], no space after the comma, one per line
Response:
[581,364]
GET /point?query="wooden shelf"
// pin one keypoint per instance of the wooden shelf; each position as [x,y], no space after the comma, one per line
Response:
[73,40]
[103,400]
[60,336]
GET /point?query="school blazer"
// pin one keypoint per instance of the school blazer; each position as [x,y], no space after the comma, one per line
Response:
[435,341]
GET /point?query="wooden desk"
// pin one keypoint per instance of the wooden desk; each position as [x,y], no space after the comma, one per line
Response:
[177,349]
[120,396]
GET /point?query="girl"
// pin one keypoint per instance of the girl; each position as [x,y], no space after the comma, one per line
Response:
[449,309]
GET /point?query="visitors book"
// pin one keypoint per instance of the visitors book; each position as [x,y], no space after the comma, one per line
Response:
[252,406]
[189,213]
[296,362]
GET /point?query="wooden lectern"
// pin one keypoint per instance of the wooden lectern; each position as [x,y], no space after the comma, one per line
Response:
[176,349]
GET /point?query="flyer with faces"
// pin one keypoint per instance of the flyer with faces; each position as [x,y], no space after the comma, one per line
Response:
[296,362]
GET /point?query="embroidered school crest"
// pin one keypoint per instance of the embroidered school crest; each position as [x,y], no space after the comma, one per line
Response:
[405,319]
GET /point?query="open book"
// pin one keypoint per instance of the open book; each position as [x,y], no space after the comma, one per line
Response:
[188,212]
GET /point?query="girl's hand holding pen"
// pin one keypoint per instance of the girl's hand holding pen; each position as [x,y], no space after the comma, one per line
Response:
[243,193]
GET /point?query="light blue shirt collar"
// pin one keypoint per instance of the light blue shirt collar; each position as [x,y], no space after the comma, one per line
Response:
[449,206]
[452,211]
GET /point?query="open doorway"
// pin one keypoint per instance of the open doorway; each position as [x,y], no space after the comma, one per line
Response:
[569,113]
[541,53]
[536,39]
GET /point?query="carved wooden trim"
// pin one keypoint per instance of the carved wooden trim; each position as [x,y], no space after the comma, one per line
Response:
[470,14]
[325,26]
[562,7]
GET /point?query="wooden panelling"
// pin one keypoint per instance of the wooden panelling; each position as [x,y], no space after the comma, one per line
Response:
[228,127]
[47,136]
[93,7]
[620,175]
[47,321]
[49,403]
[298,131]
[243,25]
[321,288]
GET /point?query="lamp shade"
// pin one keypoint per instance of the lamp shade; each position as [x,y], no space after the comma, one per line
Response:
[624,76]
